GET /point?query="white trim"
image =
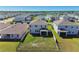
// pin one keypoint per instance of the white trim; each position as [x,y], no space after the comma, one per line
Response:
[44,31]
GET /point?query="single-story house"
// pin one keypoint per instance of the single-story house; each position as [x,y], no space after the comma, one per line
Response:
[13,31]
[7,20]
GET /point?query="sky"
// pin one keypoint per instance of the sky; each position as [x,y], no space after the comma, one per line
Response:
[39,8]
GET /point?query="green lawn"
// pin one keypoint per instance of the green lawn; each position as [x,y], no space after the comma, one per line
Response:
[58,38]
[35,43]
[32,43]
[67,44]
[8,46]
[71,44]
[50,27]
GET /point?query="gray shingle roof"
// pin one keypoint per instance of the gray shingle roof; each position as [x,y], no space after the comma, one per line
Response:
[65,22]
[14,29]
[38,22]
[2,25]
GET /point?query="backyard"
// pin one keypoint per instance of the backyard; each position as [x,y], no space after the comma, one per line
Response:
[37,43]
[66,44]
[70,44]
[8,46]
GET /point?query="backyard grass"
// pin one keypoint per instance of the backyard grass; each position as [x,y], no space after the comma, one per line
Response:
[8,46]
[50,27]
[70,44]
[58,38]
[35,43]
[67,44]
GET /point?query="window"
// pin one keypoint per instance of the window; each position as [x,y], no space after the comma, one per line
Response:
[30,30]
[12,35]
[30,25]
[61,28]
[77,27]
[45,26]
[72,32]
[66,26]
[35,25]
[8,35]
[17,35]
[41,26]
[72,27]
[69,32]
[36,30]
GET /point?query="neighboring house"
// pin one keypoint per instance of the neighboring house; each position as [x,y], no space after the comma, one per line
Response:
[42,17]
[53,19]
[66,28]
[39,27]
[65,17]
[48,17]
[20,18]
[13,31]
[28,19]
[70,17]
[25,18]
[7,20]
[2,17]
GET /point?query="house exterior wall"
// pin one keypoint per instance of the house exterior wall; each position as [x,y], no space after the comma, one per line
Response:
[14,36]
[11,36]
[19,18]
[36,28]
[72,29]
